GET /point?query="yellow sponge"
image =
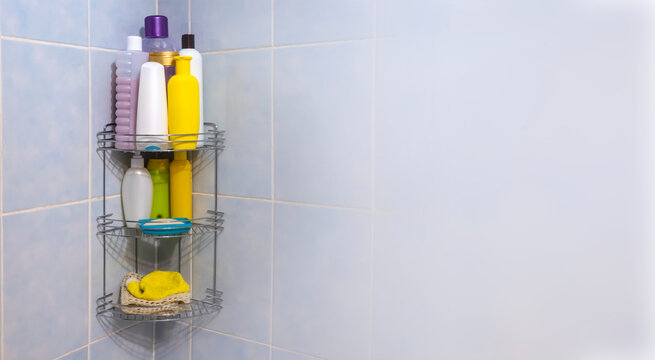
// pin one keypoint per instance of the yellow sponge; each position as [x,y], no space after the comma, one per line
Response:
[157,285]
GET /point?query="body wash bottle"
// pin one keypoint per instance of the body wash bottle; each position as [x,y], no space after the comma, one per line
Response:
[128,70]
[188,49]
[183,105]
[156,31]
[151,116]
[158,169]
[181,203]
[136,192]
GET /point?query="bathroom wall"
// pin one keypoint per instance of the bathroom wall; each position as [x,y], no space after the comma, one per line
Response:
[428,179]
[402,179]
[56,74]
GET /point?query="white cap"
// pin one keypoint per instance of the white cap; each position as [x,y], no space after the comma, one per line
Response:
[134,43]
[137,161]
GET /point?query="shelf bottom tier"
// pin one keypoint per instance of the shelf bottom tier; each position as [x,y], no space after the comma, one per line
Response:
[211,304]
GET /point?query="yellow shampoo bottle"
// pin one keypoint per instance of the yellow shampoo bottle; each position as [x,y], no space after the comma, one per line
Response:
[180,172]
[183,105]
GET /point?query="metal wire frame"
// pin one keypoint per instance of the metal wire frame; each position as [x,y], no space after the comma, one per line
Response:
[211,304]
[212,139]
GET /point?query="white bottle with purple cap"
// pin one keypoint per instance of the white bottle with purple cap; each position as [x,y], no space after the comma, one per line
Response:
[156,31]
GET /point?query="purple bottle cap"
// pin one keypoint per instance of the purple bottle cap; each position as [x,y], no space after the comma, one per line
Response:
[156,26]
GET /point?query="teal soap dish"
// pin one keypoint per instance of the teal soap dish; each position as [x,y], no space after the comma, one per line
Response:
[166,226]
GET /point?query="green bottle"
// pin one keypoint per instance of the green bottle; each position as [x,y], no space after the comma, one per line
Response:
[160,174]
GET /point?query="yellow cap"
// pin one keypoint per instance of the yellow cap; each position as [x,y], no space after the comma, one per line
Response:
[157,164]
[166,58]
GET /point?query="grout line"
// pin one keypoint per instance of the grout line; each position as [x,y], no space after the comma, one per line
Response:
[90,145]
[97,340]
[231,336]
[154,336]
[298,353]
[272,253]
[373,185]
[189,17]
[286,202]
[2,228]
[45,207]
[156,7]
[332,42]
[54,43]
[74,350]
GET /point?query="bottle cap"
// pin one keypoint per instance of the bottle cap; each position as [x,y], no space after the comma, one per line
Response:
[179,155]
[188,41]
[166,58]
[158,164]
[156,26]
[134,43]
[137,161]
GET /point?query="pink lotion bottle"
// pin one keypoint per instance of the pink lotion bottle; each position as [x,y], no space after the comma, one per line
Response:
[128,67]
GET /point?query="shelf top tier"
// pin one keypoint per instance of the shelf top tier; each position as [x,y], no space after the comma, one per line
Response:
[210,139]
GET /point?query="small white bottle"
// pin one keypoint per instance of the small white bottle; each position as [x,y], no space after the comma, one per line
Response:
[136,192]
[188,44]
[152,113]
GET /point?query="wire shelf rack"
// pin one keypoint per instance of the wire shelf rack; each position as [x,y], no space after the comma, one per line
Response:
[118,229]
[211,304]
[210,139]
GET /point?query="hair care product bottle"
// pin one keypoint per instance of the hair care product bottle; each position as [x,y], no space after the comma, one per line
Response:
[156,31]
[158,169]
[188,49]
[183,105]
[181,206]
[151,115]
[166,58]
[128,69]
[136,192]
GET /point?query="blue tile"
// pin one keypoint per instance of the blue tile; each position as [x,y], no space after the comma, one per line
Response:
[57,20]
[244,267]
[82,354]
[103,107]
[301,21]
[59,124]
[208,345]
[223,24]
[177,12]
[321,283]
[172,341]
[323,135]
[285,355]
[238,99]
[46,282]
[113,21]
[134,343]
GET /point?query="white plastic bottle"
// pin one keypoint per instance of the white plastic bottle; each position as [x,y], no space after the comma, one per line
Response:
[128,69]
[152,113]
[136,192]
[188,44]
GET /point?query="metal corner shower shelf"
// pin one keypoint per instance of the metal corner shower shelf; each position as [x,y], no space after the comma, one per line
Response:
[203,230]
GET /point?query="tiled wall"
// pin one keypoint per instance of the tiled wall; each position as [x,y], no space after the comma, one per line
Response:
[56,74]
[402,179]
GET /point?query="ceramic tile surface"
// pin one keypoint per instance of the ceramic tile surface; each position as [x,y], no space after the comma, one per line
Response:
[112,21]
[323,136]
[303,21]
[62,21]
[321,289]
[222,24]
[44,289]
[58,125]
[134,343]
[238,99]
[208,345]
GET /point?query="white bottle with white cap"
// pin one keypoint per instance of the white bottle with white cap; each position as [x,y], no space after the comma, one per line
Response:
[152,113]
[136,192]
[128,69]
